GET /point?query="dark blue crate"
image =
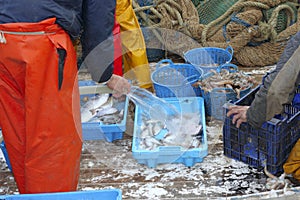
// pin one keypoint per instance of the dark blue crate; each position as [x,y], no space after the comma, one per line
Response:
[171,154]
[208,58]
[175,80]
[100,131]
[4,151]
[270,144]
[109,194]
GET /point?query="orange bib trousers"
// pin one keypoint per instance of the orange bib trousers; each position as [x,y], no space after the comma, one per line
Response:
[39,106]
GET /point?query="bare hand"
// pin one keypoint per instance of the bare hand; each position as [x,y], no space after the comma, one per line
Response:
[239,113]
[119,85]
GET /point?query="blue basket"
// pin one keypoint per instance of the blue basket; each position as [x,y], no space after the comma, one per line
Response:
[208,58]
[175,80]
[215,99]
[171,154]
[4,151]
[270,144]
[100,131]
[109,194]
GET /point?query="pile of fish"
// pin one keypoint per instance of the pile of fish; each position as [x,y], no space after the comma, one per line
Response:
[237,81]
[187,134]
[101,108]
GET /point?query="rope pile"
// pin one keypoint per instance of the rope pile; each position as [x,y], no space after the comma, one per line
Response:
[258,30]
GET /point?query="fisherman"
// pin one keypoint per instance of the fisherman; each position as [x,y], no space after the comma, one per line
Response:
[278,88]
[39,95]
[135,59]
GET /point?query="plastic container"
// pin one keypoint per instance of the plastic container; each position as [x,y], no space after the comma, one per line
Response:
[171,154]
[269,145]
[109,194]
[215,99]
[175,80]
[4,151]
[100,131]
[208,58]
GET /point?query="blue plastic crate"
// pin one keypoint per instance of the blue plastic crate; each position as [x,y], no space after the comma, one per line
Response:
[208,58]
[100,131]
[270,144]
[109,194]
[171,154]
[175,80]
[4,151]
[215,99]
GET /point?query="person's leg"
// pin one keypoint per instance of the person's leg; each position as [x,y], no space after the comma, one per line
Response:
[51,110]
[12,108]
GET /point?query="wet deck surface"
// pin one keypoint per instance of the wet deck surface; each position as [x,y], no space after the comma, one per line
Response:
[111,165]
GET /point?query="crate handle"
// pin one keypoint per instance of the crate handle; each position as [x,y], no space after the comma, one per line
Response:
[164,61]
[292,118]
[232,68]
[169,148]
[229,49]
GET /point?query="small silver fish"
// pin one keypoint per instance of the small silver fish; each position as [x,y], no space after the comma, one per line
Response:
[105,111]
[87,110]
[150,143]
[110,119]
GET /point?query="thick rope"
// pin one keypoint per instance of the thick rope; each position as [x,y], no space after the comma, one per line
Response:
[148,21]
[225,18]
[247,28]
[274,19]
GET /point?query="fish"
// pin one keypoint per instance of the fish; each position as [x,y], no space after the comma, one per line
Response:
[102,108]
[105,111]
[110,119]
[188,132]
[87,110]
[236,81]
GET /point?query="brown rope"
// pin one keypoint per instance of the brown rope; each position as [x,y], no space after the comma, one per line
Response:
[225,18]
[179,16]
[274,18]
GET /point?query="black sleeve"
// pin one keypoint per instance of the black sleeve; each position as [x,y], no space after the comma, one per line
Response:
[97,38]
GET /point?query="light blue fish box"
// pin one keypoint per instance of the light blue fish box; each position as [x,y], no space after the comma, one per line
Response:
[99,130]
[171,154]
[4,151]
[110,194]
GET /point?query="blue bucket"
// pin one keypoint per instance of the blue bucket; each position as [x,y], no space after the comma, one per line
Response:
[175,80]
[208,58]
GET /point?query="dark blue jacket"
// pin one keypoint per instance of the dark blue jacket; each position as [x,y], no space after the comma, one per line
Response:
[93,20]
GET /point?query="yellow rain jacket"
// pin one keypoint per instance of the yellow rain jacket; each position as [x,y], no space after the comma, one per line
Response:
[292,165]
[133,44]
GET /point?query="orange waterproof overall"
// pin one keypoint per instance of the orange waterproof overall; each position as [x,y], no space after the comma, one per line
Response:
[39,106]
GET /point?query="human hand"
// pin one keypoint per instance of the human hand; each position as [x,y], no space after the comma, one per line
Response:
[239,113]
[119,85]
